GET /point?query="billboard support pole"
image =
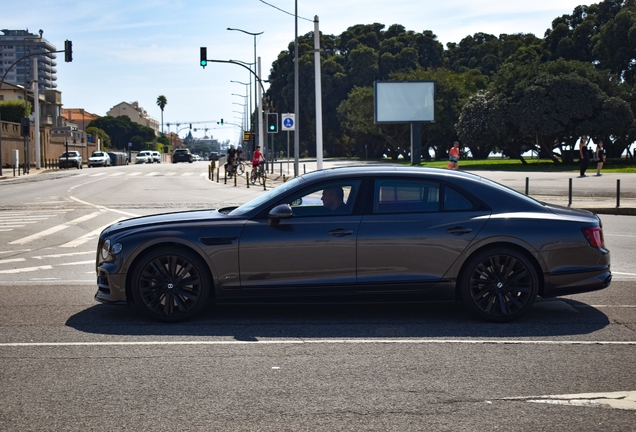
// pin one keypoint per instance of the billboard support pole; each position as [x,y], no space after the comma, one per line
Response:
[416,143]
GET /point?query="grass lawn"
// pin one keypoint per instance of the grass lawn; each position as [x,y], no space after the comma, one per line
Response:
[611,166]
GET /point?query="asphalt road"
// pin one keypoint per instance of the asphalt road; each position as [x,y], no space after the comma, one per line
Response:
[69,363]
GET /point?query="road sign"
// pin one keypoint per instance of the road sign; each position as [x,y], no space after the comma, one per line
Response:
[247,136]
[289,122]
[61,132]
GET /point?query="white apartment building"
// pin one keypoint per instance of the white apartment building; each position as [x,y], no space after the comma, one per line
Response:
[15,44]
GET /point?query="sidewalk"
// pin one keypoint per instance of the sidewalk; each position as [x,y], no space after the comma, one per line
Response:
[596,194]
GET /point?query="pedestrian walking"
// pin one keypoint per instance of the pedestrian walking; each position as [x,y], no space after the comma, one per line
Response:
[600,157]
[453,156]
[584,156]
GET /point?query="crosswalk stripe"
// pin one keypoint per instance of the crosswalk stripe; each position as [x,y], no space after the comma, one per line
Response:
[12,260]
[55,229]
[186,174]
[153,173]
[88,236]
[170,174]
[98,174]
[79,263]
[26,269]
[63,255]
[115,174]
[134,174]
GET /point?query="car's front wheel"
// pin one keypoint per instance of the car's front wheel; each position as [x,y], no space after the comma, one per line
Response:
[499,285]
[171,284]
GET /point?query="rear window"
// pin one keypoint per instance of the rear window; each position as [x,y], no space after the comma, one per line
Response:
[417,196]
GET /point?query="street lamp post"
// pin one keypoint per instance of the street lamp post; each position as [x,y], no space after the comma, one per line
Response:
[258,120]
[248,98]
[27,150]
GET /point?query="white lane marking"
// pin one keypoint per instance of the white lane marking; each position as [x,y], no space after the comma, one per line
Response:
[11,227]
[317,341]
[104,208]
[115,174]
[5,224]
[16,251]
[618,235]
[12,260]
[79,263]
[620,400]
[624,274]
[170,174]
[55,229]
[26,269]
[134,174]
[63,255]
[153,173]
[25,218]
[98,174]
[88,236]
[186,174]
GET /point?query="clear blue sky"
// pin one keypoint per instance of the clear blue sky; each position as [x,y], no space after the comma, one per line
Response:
[137,50]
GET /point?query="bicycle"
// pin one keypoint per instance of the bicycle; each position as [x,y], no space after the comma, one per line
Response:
[240,167]
[259,174]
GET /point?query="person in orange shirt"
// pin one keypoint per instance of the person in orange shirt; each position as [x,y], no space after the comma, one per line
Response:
[454,156]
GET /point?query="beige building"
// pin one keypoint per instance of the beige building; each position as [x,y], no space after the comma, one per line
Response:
[79,117]
[135,113]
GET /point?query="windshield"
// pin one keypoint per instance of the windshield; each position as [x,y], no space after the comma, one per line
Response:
[271,194]
[69,154]
[97,154]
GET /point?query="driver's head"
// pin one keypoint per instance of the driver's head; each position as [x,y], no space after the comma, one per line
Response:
[332,197]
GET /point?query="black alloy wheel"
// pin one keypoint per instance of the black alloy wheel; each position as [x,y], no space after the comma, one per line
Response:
[171,284]
[499,285]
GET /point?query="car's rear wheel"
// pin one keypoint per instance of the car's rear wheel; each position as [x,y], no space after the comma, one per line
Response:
[499,285]
[171,284]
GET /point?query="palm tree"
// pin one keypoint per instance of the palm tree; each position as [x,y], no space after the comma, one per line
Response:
[161,103]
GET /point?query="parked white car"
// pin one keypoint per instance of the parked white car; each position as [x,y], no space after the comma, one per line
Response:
[156,156]
[98,158]
[144,156]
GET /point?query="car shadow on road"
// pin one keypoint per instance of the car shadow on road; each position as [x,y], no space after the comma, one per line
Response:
[554,317]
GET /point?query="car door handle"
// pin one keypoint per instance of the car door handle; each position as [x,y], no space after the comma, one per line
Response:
[458,230]
[340,232]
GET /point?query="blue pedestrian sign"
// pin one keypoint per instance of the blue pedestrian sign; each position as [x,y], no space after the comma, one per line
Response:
[288,122]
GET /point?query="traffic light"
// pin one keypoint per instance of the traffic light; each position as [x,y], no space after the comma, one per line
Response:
[221,122]
[272,123]
[204,56]
[25,127]
[68,51]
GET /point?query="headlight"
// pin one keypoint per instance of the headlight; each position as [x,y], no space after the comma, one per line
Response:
[105,249]
[109,251]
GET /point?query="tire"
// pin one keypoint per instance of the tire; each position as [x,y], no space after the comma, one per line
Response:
[171,284]
[261,178]
[240,169]
[499,285]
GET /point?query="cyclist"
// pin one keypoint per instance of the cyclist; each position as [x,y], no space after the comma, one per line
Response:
[257,159]
[230,165]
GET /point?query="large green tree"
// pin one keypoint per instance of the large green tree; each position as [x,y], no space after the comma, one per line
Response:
[122,130]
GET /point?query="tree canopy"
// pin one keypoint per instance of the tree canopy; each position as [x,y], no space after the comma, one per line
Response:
[511,92]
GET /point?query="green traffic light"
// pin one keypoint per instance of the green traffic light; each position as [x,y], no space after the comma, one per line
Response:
[204,63]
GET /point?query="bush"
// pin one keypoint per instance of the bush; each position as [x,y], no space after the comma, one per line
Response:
[13,110]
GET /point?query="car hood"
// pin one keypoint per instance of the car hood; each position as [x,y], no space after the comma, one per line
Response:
[165,219]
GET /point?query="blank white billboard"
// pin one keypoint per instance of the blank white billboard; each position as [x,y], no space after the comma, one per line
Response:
[404,101]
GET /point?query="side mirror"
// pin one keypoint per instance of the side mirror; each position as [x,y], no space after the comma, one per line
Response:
[282,211]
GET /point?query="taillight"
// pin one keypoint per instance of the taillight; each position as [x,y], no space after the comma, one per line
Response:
[594,235]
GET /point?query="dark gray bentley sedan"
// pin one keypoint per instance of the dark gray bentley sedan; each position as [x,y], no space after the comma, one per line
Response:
[358,234]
